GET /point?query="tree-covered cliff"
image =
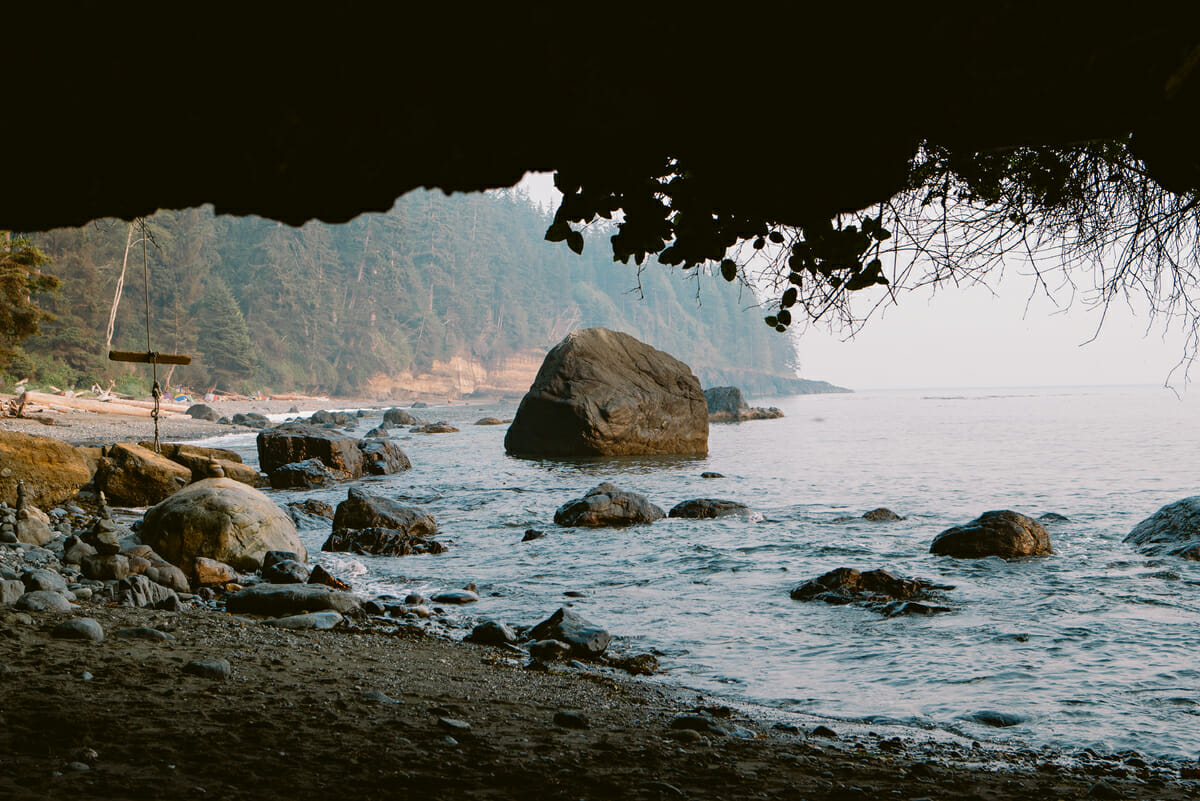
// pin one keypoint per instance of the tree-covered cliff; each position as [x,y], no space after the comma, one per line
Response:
[322,308]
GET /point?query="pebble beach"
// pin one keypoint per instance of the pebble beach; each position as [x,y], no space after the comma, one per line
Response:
[196,703]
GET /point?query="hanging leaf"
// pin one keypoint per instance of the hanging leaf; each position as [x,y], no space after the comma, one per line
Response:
[575,242]
[777,237]
[558,232]
[728,269]
[789,298]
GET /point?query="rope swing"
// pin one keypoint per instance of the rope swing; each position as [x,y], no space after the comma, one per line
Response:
[150,356]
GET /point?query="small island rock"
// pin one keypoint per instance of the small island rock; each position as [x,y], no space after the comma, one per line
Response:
[1007,534]
[607,505]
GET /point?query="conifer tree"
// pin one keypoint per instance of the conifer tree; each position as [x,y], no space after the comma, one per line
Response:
[223,336]
[20,280]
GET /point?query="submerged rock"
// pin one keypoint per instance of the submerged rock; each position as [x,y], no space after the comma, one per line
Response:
[877,590]
[1174,530]
[440,427]
[608,505]
[380,541]
[604,393]
[707,507]
[1007,534]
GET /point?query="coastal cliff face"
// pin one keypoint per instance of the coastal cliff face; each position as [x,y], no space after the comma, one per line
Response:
[461,376]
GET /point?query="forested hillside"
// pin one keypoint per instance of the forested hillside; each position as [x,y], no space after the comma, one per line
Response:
[466,281]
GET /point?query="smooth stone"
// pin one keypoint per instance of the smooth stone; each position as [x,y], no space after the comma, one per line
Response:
[209,668]
[10,591]
[569,719]
[700,723]
[80,628]
[313,621]
[43,601]
[42,579]
[585,638]
[290,599]
[999,720]
[144,633]
[532,534]
[379,697]
[452,724]
[548,650]
[491,632]
[455,597]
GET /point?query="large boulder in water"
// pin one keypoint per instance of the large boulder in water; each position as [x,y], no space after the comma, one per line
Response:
[137,476]
[295,442]
[604,393]
[1007,534]
[607,505]
[51,469]
[363,510]
[1173,530]
[221,519]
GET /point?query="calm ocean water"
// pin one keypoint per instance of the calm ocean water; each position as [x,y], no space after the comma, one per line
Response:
[1095,646]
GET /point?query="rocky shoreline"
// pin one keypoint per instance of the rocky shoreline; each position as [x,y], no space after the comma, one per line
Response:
[102,700]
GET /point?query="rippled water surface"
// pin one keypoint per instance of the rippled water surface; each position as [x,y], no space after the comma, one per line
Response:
[1093,646]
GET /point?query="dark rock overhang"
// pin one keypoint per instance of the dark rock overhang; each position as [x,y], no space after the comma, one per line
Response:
[296,114]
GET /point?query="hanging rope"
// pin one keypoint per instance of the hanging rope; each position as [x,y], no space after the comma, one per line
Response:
[155,390]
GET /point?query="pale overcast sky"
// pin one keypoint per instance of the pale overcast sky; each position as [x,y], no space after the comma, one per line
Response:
[972,337]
